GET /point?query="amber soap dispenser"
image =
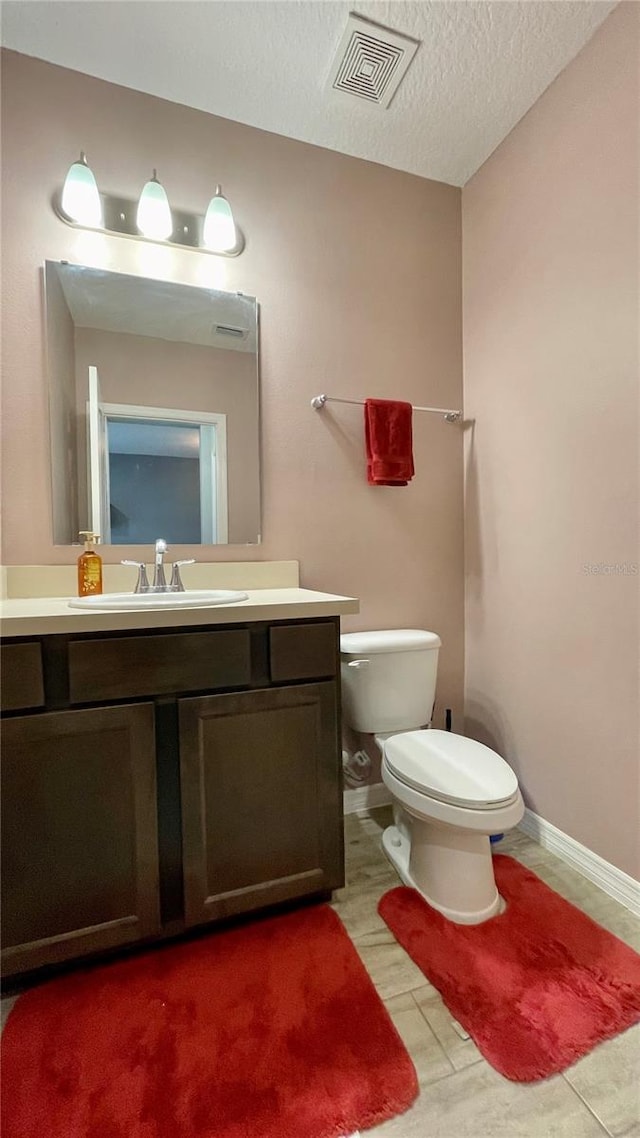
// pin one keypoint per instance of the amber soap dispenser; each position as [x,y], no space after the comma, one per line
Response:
[89,566]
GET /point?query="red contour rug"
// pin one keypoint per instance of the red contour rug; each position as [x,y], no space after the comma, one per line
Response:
[536,987]
[272,1030]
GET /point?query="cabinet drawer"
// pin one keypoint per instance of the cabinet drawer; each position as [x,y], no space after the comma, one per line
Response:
[125,667]
[303,651]
[21,684]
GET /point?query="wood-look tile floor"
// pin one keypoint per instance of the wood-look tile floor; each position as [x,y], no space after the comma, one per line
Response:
[461,1096]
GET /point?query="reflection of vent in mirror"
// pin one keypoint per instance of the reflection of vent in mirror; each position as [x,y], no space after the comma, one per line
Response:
[140,306]
[227,330]
[371,61]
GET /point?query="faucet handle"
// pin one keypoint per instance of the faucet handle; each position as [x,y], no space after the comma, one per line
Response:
[142,584]
[176,579]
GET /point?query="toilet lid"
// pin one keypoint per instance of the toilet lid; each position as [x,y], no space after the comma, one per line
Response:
[451,768]
[388,640]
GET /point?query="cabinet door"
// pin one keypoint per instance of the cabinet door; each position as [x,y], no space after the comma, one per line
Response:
[261,798]
[79,834]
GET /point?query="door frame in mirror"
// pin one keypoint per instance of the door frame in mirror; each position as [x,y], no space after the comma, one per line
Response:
[213,471]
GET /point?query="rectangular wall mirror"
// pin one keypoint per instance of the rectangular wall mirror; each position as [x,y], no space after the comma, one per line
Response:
[154,409]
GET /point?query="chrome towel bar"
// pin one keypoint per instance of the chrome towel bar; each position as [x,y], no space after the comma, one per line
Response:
[319,401]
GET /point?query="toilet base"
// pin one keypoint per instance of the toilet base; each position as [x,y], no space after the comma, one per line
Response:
[451,869]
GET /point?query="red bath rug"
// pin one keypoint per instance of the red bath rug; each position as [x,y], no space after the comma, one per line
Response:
[536,987]
[272,1030]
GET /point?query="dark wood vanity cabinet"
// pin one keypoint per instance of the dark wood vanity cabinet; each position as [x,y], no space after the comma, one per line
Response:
[200,778]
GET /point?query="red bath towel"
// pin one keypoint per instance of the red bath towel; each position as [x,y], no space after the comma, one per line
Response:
[387,428]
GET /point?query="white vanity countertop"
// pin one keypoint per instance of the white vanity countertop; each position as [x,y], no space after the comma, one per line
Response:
[40,616]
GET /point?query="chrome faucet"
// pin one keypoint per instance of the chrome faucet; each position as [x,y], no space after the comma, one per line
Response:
[159,580]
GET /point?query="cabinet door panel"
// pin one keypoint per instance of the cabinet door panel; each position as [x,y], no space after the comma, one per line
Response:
[79,834]
[261,798]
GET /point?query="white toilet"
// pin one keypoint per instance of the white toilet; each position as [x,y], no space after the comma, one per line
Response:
[449,793]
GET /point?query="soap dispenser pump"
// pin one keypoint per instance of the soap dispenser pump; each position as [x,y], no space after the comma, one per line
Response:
[89,566]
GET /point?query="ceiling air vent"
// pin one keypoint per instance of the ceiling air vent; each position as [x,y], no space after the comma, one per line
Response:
[371,61]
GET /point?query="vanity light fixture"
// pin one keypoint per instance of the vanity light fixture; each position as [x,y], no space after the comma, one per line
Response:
[80,198]
[154,215]
[219,232]
[81,205]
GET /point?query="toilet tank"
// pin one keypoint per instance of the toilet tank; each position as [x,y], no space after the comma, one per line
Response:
[388,679]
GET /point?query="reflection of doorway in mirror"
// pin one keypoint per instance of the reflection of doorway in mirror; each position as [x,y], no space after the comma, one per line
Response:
[163,473]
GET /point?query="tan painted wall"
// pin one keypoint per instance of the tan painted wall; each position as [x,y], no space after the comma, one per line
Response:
[357,270]
[550,241]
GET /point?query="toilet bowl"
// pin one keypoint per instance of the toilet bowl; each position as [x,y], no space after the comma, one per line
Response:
[449,793]
[454,793]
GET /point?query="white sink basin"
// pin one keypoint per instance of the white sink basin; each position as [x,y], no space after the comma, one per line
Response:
[193,598]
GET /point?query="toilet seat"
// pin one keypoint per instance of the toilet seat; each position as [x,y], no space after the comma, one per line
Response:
[453,770]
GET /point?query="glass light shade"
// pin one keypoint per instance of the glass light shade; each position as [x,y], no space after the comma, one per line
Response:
[80,197]
[219,233]
[154,216]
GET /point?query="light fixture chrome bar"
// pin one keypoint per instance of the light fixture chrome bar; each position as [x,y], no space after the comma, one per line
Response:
[119,216]
[319,401]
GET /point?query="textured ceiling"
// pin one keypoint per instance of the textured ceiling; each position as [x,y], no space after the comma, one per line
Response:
[479,68]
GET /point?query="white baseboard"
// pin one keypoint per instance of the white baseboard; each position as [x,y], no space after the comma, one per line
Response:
[611,880]
[365,797]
